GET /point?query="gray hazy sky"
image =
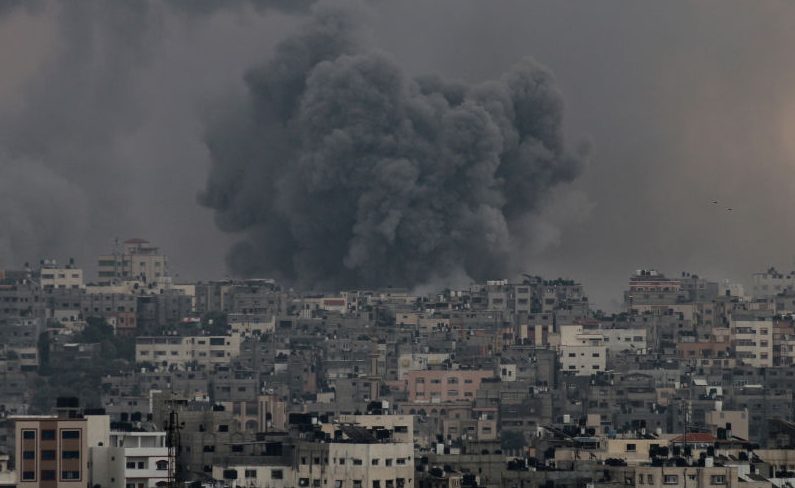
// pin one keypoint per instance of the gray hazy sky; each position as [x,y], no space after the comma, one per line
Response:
[683,103]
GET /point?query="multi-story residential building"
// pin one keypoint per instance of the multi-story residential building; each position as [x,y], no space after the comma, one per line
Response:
[136,260]
[351,452]
[130,460]
[51,451]
[434,386]
[52,275]
[118,309]
[420,361]
[752,340]
[204,351]
[582,352]
[771,283]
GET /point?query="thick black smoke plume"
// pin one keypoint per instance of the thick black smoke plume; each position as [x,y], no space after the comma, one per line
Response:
[342,170]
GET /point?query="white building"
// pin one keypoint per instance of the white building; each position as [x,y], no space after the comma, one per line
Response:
[582,352]
[131,460]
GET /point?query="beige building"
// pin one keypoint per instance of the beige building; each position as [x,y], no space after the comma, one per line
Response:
[752,340]
[204,351]
[737,419]
[137,259]
[53,275]
[419,361]
[582,353]
[686,477]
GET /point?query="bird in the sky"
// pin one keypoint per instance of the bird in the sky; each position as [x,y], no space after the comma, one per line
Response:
[714,202]
[729,209]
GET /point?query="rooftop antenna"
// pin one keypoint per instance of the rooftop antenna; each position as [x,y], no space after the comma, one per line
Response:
[173,443]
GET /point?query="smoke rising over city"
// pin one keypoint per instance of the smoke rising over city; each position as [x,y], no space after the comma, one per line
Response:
[104,110]
[343,169]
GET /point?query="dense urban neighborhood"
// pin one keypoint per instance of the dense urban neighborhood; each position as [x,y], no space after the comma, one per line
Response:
[137,380]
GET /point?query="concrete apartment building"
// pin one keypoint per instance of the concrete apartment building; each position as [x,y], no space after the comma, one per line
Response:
[771,283]
[435,386]
[120,310]
[52,451]
[752,340]
[130,460]
[52,275]
[137,259]
[204,351]
[582,352]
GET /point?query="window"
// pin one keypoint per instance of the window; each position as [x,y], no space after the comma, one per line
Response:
[717,479]
[48,475]
[29,434]
[70,455]
[400,461]
[376,483]
[48,435]
[29,475]
[29,455]
[48,455]
[162,465]
[357,483]
[277,474]
[670,479]
[357,462]
[303,482]
[452,381]
[251,473]
[632,447]
[375,462]
[216,341]
[388,462]
[337,483]
[141,465]
[69,434]
[223,428]
[70,475]
[649,479]
[130,465]
[316,483]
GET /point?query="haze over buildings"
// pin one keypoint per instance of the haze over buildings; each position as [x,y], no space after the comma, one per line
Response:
[682,104]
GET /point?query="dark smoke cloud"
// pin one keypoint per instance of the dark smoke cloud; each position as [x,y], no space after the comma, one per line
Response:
[341,169]
[210,7]
[82,156]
